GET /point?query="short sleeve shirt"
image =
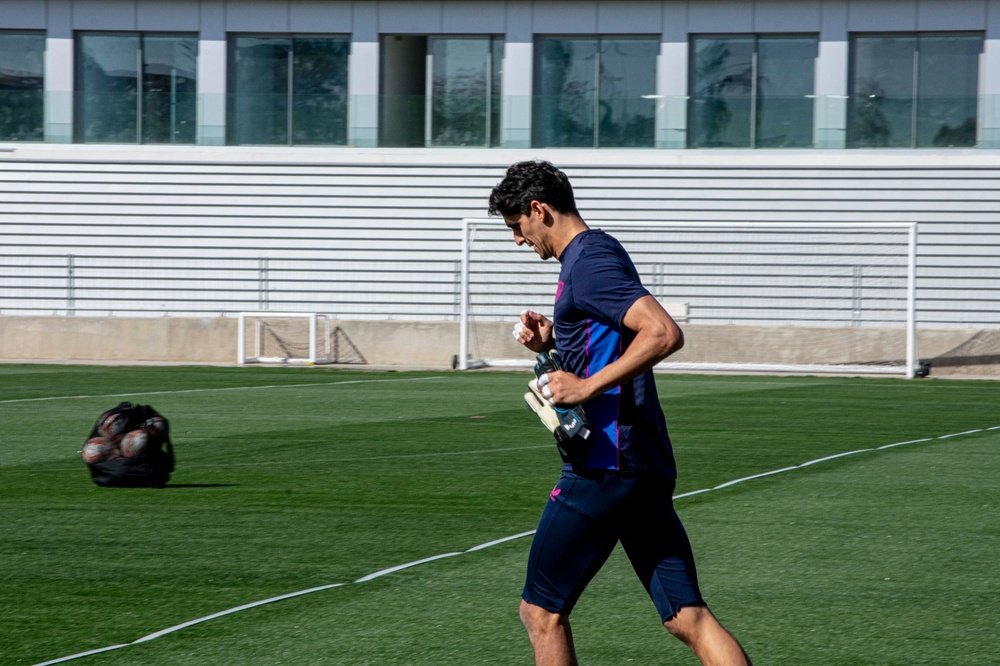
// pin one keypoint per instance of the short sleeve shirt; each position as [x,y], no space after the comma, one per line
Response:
[598,283]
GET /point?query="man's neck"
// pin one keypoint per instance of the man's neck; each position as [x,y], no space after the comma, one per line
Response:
[566,227]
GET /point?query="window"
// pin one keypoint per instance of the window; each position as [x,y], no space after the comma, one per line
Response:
[288,90]
[136,88]
[594,92]
[914,90]
[458,104]
[752,91]
[22,88]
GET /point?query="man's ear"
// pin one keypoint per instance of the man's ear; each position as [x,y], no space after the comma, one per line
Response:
[543,210]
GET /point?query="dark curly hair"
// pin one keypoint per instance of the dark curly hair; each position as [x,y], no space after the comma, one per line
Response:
[530,181]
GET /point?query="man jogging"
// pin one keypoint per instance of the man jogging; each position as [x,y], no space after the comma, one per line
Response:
[609,332]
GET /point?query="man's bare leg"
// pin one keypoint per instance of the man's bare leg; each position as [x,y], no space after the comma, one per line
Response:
[705,635]
[550,635]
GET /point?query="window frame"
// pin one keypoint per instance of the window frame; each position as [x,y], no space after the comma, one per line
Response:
[289,88]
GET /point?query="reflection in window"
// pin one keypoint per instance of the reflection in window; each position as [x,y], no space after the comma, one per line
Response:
[594,92]
[136,88]
[22,56]
[914,90]
[288,90]
[752,91]
[458,104]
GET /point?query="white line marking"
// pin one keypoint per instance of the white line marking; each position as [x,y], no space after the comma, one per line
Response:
[750,478]
[83,654]
[400,567]
[495,542]
[483,546]
[911,441]
[237,609]
[833,457]
[959,434]
[223,388]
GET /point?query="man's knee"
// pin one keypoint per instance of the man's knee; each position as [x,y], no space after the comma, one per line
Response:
[537,619]
[690,622]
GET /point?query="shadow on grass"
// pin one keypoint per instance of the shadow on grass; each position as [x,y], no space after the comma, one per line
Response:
[200,485]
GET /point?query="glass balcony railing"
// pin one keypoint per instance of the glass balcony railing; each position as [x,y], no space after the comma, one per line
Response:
[578,121]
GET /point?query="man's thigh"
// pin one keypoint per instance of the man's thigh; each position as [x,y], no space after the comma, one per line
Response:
[577,532]
[658,547]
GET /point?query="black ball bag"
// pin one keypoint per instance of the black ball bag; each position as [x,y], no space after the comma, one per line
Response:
[152,467]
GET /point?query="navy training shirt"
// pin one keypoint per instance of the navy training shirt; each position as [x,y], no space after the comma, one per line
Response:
[598,283]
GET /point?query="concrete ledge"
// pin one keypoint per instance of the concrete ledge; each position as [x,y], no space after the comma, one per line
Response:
[212,340]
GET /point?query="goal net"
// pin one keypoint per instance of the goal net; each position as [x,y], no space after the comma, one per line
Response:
[755,296]
[283,337]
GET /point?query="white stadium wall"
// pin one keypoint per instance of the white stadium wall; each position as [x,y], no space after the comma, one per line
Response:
[160,226]
[142,252]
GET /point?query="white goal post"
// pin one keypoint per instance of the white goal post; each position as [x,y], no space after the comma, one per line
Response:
[283,337]
[796,297]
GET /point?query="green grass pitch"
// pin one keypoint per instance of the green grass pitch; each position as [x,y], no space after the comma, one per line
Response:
[294,478]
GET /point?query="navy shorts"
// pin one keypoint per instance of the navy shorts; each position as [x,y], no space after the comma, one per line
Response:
[586,515]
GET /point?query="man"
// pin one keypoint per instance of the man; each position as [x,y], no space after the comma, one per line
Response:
[609,332]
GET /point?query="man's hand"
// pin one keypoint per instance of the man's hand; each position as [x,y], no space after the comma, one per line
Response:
[534,331]
[564,388]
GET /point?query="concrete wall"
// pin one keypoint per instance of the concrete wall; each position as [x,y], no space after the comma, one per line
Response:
[433,344]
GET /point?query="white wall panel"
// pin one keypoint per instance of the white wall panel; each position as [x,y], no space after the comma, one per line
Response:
[340,219]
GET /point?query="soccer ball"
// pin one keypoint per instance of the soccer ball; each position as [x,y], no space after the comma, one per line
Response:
[134,443]
[112,425]
[98,449]
[156,428]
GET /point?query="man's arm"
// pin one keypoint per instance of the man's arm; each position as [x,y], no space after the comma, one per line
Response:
[657,336]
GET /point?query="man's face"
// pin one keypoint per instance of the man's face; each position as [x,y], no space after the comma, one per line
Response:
[531,230]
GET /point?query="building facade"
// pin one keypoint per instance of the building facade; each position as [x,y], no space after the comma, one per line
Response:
[202,157]
[669,74]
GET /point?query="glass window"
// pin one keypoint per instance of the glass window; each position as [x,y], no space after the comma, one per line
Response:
[786,72]
[752,91]
[22,86]
[136,88]
[440,91]
[594,92]
[465,91]
[914,90]
[288,90]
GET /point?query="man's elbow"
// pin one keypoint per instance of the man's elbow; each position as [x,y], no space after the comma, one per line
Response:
[669,340]
[675,340]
